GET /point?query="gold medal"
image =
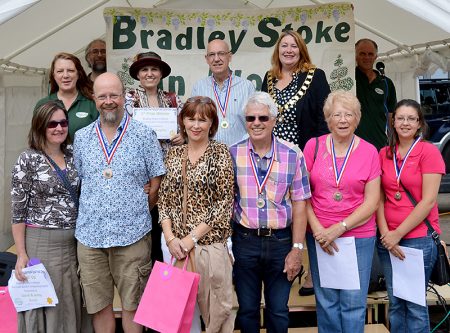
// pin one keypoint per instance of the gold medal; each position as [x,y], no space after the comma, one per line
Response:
[397,196]
[260,203]
[107,173]
[337,196]
[224,124]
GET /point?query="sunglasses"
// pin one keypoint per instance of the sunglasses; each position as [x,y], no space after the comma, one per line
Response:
[54,123]
[262,119]
[201,99]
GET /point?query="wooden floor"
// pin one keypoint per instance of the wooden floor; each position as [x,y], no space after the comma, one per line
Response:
[374,328]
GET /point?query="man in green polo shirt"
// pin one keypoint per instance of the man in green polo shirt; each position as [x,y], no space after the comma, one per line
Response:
[375,92]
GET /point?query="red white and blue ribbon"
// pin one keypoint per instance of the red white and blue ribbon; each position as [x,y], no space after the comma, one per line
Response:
[398,170]
[338,173]
[109,154]
[262,183]
[222,107]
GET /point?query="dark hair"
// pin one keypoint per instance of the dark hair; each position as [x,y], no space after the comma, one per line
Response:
[205,108]
[303,65]
[84,84]
[37,138]
[367,40]
[393,136]
[88,47]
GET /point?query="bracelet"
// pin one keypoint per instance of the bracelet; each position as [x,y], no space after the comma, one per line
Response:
[194,239]
[344,225]
[170,239]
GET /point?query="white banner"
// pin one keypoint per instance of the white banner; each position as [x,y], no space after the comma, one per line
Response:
[180,37]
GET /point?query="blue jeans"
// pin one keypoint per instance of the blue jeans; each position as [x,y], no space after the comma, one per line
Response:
[261,260]
[404,316]
[342,311]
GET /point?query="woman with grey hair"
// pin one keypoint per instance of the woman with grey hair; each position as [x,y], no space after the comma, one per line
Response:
[345,185]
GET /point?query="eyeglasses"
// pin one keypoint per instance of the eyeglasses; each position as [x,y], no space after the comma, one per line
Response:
[347,116]
[262,119]
[200,99]
[113,97]
[98,51]
[54,123]
[212,55]
[409,120]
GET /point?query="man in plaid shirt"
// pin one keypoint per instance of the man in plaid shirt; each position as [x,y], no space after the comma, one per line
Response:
[269,217]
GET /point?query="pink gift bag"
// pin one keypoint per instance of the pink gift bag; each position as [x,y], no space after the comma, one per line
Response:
[8,314]
[169,298]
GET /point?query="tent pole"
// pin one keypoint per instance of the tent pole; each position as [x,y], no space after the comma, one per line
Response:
[53,31]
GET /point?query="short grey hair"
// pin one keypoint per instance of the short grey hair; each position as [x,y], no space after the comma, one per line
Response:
[263,98]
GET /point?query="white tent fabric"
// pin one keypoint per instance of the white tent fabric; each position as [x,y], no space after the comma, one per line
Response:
[30,38]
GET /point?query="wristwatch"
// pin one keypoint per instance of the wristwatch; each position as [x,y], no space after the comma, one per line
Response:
[297,246]
[344,225]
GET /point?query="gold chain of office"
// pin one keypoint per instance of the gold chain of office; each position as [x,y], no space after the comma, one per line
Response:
[294,99]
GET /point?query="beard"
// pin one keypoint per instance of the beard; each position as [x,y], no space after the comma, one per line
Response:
[109,117]
[99,67]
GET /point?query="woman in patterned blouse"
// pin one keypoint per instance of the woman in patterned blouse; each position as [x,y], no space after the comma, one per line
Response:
[200,179]
[44,211]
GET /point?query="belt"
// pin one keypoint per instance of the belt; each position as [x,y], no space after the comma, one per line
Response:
[260,232]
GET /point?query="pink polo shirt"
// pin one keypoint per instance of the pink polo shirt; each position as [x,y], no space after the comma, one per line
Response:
[362,167]
[424,158]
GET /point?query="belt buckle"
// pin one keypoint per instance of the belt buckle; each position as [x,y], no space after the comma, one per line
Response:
[264,232]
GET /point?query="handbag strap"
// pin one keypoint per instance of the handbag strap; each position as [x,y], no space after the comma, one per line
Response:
[185,186]
[433,232]
[64,179]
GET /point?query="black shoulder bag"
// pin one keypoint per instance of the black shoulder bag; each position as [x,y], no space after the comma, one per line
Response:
[441,270]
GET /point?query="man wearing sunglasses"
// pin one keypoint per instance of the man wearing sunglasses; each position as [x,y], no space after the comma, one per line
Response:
[228,91]
[95,55]
[269,217]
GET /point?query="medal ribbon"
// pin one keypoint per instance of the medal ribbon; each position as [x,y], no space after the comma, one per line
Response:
[269,168]
[222,108]
[338,173]
[398,171]
[109,154]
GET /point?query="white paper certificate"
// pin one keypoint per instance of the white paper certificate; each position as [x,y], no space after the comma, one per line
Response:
[162,120]
[38,291]
[408,276]
[339,271]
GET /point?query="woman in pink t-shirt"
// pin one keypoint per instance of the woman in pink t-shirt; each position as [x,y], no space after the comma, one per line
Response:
[419,166]
[345,185]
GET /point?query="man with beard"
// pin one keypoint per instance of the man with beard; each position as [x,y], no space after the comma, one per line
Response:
[115,157]
[95,55]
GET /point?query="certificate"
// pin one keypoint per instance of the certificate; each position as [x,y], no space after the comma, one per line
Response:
[36,292]
[340,270]
[408,276]
[162,120]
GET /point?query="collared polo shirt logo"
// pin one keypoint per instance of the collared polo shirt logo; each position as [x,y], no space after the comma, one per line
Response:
[379,91]
[82,114]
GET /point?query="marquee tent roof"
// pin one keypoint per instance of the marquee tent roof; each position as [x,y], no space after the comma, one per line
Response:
[34,30]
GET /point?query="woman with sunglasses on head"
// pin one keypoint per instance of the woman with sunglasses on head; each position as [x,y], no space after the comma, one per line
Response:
[70,85]
[408,164]
[199,178]
[345,186]
[44,194]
